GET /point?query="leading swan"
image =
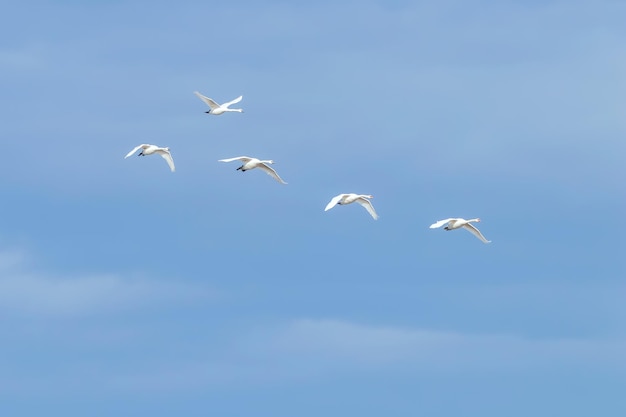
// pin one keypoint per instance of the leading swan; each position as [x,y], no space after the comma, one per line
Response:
[147,149]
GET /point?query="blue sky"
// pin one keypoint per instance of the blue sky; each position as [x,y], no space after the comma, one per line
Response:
[128,290]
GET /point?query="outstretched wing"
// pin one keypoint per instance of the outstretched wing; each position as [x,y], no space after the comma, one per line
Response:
[469,227]
[213,105]
[440,223]
[333,202]
[168,157]
[270,171]
[135,149]
[368,206]
[235,101]
[238,158]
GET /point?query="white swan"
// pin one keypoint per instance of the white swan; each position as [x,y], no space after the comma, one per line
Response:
[251,163]
[218,109]
[151,149]
[455,223]
[362,199]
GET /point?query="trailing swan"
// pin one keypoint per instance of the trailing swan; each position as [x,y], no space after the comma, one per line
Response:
[455,223]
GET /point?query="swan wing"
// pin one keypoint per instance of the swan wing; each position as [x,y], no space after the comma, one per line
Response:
[235,101]
[212,104]
[469,227]
[270,171]
[368,206]
[168,157]
[135,149]
[440,223]
[237,158]
[334,202]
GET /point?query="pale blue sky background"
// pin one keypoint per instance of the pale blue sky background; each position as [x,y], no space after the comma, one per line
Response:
[127,290]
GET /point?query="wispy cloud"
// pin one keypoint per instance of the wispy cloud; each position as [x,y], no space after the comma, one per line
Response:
[19,59]
[308,349]
[382,346]
[24,290]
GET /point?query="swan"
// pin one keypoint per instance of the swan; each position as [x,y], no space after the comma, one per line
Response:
[251,163]
[217,109]
[455,223]
[362,199]
[151,149]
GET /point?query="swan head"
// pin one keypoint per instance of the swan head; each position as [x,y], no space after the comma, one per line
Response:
[270,161]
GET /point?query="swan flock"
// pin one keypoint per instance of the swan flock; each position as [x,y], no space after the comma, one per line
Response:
[249,163]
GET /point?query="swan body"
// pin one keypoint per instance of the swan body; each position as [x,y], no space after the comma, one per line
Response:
[217,109]
[362,199]
[456,223]
[251,163]
[152,149]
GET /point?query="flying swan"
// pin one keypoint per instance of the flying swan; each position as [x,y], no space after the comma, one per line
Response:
[251,163]
[458,223]
[217,109]
[151,149]
[362,199]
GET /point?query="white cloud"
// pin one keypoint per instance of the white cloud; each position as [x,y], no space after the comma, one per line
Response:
[25,291]
[327,339]
[352,344]
[306,349]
